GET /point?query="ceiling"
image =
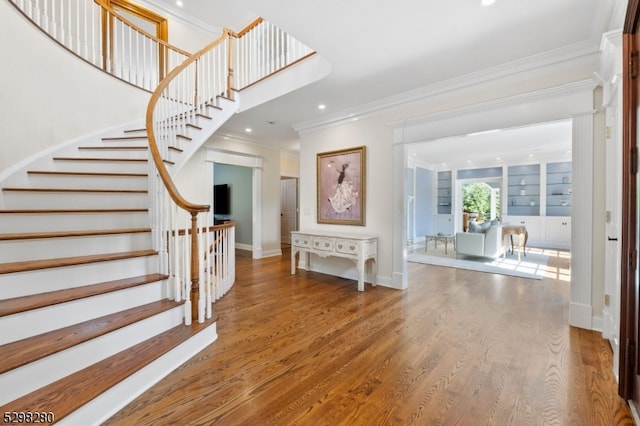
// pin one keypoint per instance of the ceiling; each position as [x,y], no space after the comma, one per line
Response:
[379,49]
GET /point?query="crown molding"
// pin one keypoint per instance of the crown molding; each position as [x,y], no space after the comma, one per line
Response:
[548,93]
[568,53]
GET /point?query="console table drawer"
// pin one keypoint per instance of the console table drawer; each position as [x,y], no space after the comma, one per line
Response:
[302,241]
[348,247]
[323,244]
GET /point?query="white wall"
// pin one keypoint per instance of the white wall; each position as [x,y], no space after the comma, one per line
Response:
[289,164]
[49,96]
[377,137]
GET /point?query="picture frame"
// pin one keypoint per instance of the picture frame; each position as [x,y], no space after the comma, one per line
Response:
[341,186]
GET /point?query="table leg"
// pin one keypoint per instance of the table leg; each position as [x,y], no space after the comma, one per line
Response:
[293,260]
[361,270]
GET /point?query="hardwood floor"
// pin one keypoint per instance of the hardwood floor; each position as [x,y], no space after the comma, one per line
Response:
[458,347]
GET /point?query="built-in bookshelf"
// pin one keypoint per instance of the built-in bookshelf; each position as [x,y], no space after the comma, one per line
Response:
[559,189]
[523,190]
[444,192]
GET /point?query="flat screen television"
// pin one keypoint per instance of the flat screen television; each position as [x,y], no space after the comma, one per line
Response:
[222,199]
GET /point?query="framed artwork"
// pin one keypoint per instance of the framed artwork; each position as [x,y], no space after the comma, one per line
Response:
[341,186]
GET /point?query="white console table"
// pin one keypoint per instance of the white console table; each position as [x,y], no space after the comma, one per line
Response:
[358,248]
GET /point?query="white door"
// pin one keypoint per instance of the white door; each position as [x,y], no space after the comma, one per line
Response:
[611,311]
[288,209]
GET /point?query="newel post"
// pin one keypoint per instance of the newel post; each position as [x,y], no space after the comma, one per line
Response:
[195,268]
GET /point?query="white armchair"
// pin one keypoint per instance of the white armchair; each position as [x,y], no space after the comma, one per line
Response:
[482,244]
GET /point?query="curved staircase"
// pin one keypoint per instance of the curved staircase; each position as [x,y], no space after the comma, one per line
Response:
[85,314]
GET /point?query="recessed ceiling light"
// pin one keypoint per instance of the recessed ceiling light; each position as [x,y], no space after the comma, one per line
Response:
[248,130]
[179,3]
[322,106]
[487,2]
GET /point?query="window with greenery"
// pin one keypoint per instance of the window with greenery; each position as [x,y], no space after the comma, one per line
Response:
[479,197]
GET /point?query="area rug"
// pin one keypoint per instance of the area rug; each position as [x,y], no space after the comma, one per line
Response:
[533,265]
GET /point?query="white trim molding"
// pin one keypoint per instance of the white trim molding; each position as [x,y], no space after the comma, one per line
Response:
[581,223]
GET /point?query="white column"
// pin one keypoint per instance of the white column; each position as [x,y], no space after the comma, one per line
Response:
[399,251]
[580,305]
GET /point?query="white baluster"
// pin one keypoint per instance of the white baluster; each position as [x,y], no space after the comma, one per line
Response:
[208,267]
[187,274]
[202,298]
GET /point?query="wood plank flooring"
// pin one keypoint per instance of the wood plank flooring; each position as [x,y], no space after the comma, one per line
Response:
[457,348]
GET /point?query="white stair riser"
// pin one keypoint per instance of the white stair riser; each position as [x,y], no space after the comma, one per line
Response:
[114,152]
[31,323]
[52,279]
[208,127]
[28,378]
[10,223]
[101,166]
[127,140]
[47,248]
[71,200]
[87,181]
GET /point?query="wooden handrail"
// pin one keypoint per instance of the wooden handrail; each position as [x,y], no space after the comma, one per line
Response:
[192,208]
[155,152]
[249,27]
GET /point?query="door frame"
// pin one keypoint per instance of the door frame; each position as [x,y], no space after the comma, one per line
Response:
[627,387]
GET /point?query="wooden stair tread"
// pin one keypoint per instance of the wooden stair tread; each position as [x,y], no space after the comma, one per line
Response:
[33,265]
[40,300]
[126,138]
[56,211]
[81,190]
[115,148]
[133,160]
[70,393]
[25,351]
[62,234]
[107,174]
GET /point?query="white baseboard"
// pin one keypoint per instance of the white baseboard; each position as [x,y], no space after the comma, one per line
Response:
[580,315]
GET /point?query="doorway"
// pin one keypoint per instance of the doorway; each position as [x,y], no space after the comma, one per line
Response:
[288,208]
[481,200]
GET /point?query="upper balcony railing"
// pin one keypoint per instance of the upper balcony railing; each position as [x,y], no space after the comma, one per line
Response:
[197,256]
[102,37]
